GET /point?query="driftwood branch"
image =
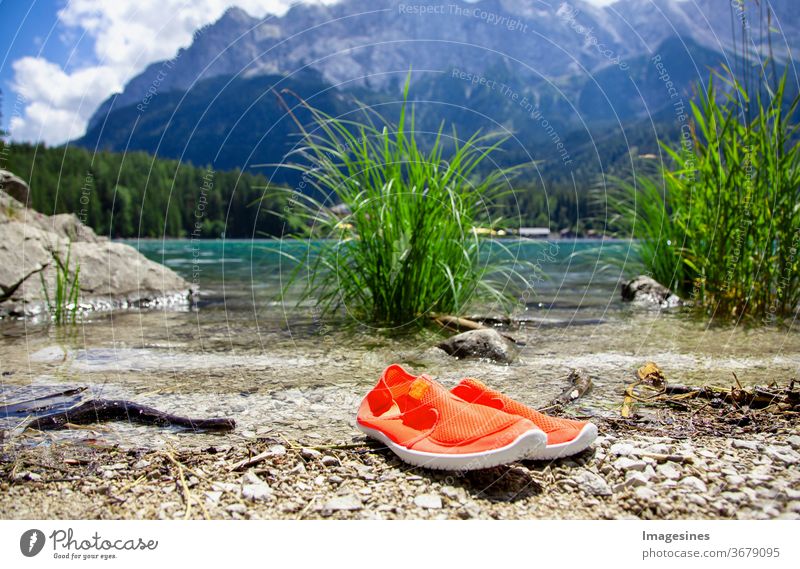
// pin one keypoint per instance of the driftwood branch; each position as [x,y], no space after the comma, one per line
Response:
[99,410]
[460,324]
[756,397]
[580,384]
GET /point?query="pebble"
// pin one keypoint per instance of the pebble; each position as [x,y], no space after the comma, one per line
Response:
[450,491]
[695,483]
[329,460]
[622,449]
[348,502]
[335,479]
[696,499]
[252,478]
[256,492]
[591,483]
[224,486]
[794,442]
[429,501]
[310,454]
[236,508]
[782,454]
[646,494]
[625,463]
[277,450]
[213,497]
[141,464]
[749,445]
[635,479]
[668,471]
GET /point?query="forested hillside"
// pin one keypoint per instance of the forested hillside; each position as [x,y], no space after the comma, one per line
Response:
[134,194]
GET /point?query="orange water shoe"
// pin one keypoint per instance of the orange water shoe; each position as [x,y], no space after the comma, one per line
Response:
[564,436]
[426,425]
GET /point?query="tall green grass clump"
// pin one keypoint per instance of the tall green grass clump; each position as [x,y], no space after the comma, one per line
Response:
[63,306]
[406,245]
[720,224]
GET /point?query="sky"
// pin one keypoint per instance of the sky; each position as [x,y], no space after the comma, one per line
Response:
[59,59]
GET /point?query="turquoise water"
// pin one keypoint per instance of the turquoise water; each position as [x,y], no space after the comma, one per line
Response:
[573,275]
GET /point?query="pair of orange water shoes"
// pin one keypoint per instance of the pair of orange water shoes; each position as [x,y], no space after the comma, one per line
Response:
[468,428]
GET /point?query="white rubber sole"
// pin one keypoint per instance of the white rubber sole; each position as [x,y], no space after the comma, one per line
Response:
[551,452]
[527,444]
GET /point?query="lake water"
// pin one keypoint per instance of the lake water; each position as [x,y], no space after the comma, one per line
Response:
[275,368]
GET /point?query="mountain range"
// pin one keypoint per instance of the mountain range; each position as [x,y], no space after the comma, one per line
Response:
[575,86]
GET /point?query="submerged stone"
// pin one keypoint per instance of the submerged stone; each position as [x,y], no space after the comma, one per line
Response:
[646,290]
[483,344]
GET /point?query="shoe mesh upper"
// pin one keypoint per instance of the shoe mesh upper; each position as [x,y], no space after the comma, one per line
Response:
[460,421]
[477,392]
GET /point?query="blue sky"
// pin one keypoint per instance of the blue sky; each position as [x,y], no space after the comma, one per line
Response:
[59,59]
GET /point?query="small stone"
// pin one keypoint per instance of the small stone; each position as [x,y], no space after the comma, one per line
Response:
[251,477]
[486,343]
[335,479]
[658,449]
[668,470]
[429,501]
[236,508]
[591,483]
[646,494]
[310,453]
[782,454]
[694,483]
[696,499]
[213,497]
[794,442]
[748,445]
[624,463]
[635,479]
[735,480]
[328,460]
[277,450]
[450,491]
[141,464]
[224,486]
[256,492]
[349,502]
[622,449]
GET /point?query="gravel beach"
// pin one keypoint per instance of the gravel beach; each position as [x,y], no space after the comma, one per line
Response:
[625,475]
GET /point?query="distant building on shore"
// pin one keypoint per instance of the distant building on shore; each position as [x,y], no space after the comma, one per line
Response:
[534,232]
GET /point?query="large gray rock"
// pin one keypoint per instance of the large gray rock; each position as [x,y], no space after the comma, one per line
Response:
[487,343]
[647,291]
[14,186]
[112,275]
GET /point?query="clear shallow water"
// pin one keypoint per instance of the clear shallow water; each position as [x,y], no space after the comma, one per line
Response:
[275,368]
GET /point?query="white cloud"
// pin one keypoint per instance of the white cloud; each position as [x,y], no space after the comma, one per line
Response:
[128,35]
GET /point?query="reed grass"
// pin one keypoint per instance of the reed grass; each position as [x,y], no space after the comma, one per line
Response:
[720,223]
[63,306]
[407,244]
